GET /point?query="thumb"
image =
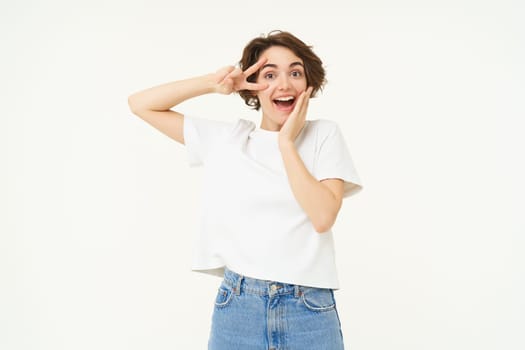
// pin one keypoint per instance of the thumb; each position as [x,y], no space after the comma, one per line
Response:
[223,72]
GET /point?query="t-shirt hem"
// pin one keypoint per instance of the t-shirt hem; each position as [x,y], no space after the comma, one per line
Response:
[218,271]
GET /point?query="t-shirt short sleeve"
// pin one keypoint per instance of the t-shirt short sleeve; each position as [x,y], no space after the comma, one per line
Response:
[202,135]
[333,161]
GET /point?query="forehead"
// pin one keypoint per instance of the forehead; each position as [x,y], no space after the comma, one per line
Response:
[280,55]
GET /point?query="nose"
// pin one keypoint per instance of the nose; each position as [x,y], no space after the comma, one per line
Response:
[284,82]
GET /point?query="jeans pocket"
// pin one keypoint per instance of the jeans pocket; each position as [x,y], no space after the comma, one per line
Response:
[224,297]
[318,299]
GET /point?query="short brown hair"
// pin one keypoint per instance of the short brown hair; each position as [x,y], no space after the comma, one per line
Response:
[313,66]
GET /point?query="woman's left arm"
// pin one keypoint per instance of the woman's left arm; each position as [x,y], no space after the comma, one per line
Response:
[321,200]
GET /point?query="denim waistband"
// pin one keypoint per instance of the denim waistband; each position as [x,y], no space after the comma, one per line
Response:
[242,284]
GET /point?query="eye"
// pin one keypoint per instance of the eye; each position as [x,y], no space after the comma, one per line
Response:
[269,76]
[296,74]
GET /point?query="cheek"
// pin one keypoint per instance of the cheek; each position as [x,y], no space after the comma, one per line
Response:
[301,85]
[264,95]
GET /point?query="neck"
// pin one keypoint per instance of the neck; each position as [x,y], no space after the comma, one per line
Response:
[269,125]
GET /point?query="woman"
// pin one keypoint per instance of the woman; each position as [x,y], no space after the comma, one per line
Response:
[271,195]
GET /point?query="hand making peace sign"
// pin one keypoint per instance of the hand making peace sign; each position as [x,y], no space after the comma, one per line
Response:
[232,79]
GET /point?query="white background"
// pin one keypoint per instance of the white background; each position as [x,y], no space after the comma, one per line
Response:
[98,209]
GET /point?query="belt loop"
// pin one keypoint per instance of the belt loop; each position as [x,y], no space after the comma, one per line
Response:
[297,291]
[237,288]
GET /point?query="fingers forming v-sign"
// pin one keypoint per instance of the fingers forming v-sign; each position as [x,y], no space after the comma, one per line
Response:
[245,85]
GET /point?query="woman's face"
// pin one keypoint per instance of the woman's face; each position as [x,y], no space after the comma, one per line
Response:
[284,74]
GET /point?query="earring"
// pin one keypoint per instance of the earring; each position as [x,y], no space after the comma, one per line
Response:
[253,101]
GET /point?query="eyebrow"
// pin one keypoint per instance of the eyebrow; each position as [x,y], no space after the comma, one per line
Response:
[293,64]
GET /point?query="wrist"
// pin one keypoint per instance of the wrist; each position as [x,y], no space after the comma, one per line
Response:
[210,83]
[286,144]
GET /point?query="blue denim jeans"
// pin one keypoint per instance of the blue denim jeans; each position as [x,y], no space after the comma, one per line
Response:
[252,314]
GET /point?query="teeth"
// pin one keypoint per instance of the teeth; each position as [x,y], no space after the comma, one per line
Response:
[288,98]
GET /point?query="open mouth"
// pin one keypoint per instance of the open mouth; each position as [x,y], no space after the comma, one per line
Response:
[284,102]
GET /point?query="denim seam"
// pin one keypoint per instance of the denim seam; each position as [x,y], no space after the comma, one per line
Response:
[317,308]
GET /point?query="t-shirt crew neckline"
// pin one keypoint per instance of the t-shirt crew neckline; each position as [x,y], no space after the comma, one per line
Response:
[259,131]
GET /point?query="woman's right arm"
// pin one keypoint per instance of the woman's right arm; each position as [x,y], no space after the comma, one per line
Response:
[154,105]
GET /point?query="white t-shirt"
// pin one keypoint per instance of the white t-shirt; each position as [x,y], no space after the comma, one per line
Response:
[250,220]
